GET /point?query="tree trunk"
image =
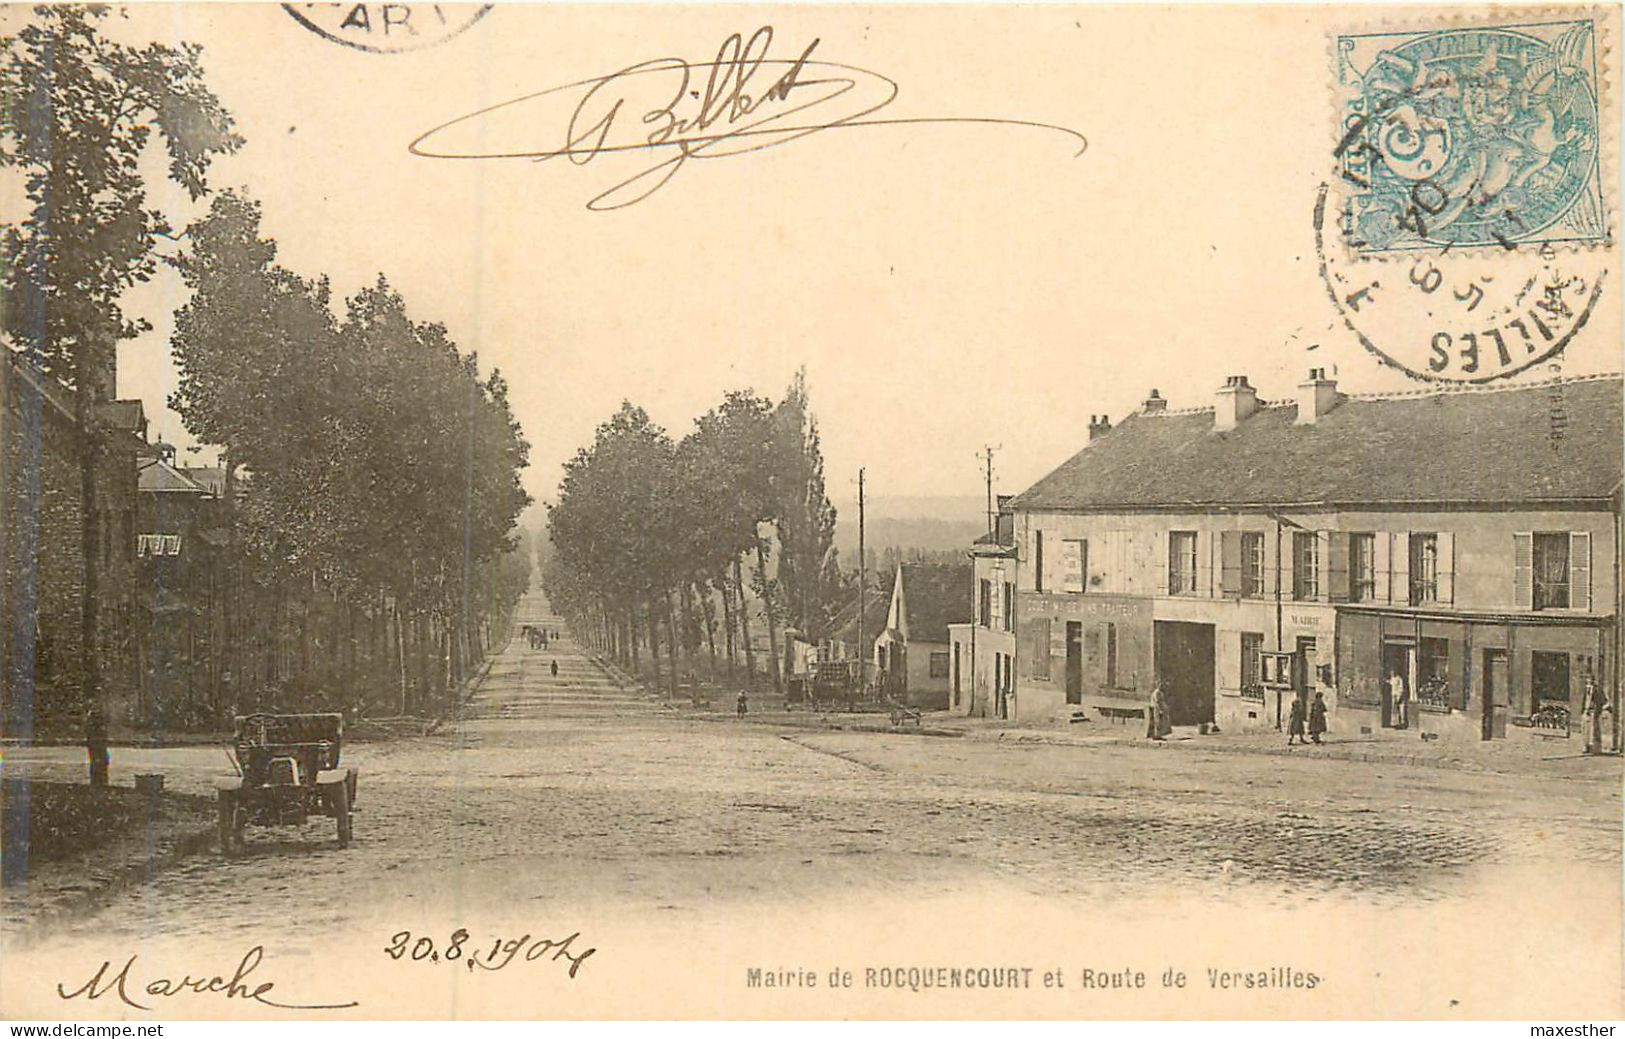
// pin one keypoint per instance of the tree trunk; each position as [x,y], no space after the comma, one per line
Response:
[400,653]
[744,626]
[772,619]
[651,617]
[90,658]
[708,611]
[726,586]
[671,630]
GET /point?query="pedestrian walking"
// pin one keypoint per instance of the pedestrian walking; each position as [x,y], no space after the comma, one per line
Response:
[742,706]
[1317,716]
[1295,722]
[554,667]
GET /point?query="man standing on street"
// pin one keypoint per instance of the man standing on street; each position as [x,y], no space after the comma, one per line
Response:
[1401,699]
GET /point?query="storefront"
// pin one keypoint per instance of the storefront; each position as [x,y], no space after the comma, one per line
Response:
[1472,676]
[1083,652]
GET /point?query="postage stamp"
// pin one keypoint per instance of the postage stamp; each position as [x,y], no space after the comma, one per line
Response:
[1465,233]
[1480,136]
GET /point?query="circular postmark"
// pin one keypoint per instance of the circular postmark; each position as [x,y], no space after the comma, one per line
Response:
[1458,317]
[1466,233]
[387,28]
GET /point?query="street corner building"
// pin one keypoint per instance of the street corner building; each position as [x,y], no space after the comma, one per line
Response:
[1444,561]
[983,668]
[51,456]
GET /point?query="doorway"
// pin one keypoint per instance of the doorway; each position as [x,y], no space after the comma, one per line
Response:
[1074,662]
[1497,694]
[1303,668]
[1397,658]
[1184,658]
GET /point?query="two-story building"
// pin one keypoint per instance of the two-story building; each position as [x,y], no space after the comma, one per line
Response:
[983,667]
[1464,541]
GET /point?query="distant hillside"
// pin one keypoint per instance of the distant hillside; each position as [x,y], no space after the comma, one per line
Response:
[930,523]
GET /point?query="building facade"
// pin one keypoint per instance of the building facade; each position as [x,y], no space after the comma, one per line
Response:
[983,665]
[1442,561]
[913,653]
[43,452]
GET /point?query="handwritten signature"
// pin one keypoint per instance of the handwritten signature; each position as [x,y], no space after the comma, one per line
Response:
[741,102]
[237,987]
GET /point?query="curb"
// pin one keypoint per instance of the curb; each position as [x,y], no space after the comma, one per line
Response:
[817,726]
[1364,757]
[121,879]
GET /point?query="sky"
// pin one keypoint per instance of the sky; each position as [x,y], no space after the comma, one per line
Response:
[947,287]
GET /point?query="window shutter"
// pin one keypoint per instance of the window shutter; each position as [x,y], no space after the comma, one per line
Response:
[1229,659]
[1230,562]
[1277,550]
[1323,564]
[1337,567]
[1523,571]
[1204,562]
[1447,567]
[1381,567]
[1400,559]
[1580,570]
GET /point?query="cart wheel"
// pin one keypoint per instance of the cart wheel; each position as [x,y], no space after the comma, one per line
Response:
[231,835]
[339,794]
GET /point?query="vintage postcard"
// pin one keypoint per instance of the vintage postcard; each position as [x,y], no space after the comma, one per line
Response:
[810,511]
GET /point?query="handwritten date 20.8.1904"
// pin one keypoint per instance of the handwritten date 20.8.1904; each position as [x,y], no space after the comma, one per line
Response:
[477,954]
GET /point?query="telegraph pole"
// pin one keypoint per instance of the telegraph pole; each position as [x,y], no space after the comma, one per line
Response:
[863,570]
[986,456]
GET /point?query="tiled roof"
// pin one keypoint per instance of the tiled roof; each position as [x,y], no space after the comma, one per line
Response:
[935,596]
[874,619]
[159,477]
[1491,446]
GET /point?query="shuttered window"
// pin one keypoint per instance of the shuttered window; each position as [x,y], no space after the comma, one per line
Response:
[1552,571]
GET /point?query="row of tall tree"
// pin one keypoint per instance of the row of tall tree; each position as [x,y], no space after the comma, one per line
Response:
[382,468]
[677,543]
[372,470]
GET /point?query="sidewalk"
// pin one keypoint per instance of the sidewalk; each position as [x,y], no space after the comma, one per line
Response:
[1553,756]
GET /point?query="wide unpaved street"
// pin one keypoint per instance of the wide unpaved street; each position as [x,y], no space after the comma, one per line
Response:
[572,796]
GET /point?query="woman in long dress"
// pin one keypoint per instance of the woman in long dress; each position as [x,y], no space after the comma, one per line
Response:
[1158,725]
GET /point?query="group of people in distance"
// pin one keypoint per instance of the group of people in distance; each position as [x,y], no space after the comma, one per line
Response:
[1305,724]
[539,637]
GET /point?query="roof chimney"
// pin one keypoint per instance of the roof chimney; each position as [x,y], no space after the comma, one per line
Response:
[1237,400]
[1316,396]
[1154,404]
[1099,426]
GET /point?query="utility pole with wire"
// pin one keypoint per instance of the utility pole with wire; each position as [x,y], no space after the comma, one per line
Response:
[986,456]
[863,570]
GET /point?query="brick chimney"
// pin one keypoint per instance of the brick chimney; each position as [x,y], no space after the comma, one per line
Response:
[1237,400]
[1316,396]
[1099,426]
[1154,404]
